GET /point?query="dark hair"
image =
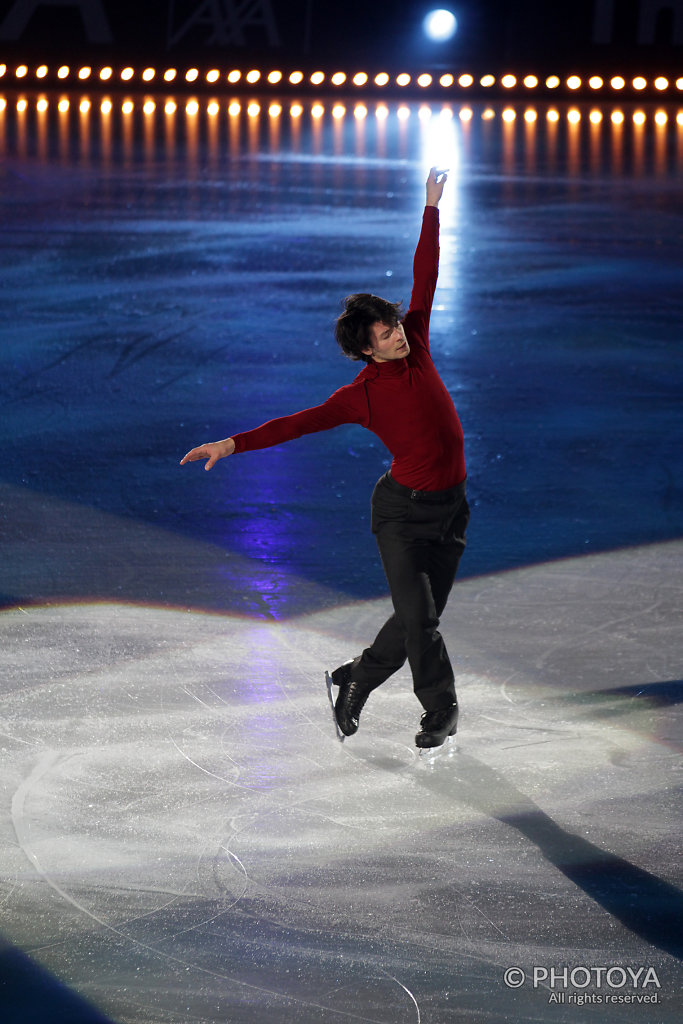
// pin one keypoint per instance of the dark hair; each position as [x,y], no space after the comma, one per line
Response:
[361,311]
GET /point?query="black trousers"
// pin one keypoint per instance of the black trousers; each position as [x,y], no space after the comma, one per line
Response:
[421,538]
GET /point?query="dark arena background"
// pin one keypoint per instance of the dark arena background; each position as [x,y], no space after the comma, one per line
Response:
[187,192]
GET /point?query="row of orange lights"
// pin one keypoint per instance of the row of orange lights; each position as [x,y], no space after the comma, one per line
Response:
[574,82]
[338,111]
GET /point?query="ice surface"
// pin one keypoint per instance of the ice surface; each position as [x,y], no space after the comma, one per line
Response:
[186,839]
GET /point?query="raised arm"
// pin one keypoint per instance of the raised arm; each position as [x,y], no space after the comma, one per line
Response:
[426,259]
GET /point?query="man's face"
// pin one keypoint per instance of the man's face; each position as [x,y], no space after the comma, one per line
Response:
[388,342]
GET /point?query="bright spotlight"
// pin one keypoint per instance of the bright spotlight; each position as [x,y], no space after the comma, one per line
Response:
[440,25]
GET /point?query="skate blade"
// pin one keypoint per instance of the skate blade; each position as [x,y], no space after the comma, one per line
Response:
[445,751]
[328,682]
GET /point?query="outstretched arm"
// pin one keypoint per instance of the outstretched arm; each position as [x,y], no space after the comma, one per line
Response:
[347,405]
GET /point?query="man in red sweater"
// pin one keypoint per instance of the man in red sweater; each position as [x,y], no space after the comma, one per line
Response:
[419,508]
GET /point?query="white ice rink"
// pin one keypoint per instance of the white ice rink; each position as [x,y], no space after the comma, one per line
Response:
[185,840]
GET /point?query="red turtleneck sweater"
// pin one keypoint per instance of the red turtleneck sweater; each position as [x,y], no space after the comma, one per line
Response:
[403,401]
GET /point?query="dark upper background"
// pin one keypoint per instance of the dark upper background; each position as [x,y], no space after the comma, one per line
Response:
[556,35]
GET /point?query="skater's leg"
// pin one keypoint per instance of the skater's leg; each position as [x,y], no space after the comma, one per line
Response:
[421,560]
[386,655]
[415,619]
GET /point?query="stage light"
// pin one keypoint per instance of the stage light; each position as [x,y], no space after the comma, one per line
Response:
[595,82]
[253,76]
[382,78]
[234,76]
[274,77]
[553,116]
[22,105]
[661,83]
[573,82]
[3,70]
[573,116]
[317,110]
[317,78]
[508,81]
[617,117]
[213,75]
[403,113]
[425,113]
[148,74]
[170,74]
[679,118]
[552,82]
[446,114]
[440,25]
[41,71]
[63,72]
[508,115]
[192,108]
[84,106]
[360,78]
[617,82]
[360,112]
[446,81]
[127,74]
[595,116]
[105,74]
[338,110]
[488,114]
[3,103]
[382,112]
[530,81]
[679,83]
[63,105]
[21,71]
[424,80]
[191,75]
[465,81]
[170,107]
[296,77]
[465,114]
[127,107]
[275,109]
[105,106]
[530,116]
[403,79]
[41,105]
[639,118]
[661,117]
[234,108]
[148,107]
[487,81]
[639,83]
[296,110]
[213,109]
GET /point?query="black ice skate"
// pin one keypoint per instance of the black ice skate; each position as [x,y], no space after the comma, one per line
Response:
[437,726]
[350,699]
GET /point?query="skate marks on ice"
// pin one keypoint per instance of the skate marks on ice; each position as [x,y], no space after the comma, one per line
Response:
[154,817]
[183,812]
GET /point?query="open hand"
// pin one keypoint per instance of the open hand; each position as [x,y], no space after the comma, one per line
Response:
[213,451]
